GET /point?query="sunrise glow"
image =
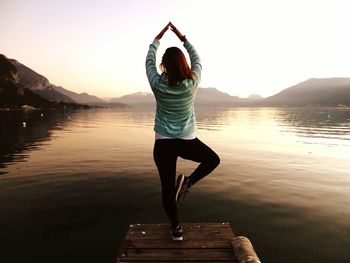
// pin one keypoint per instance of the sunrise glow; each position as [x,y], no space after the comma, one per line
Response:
[246,47]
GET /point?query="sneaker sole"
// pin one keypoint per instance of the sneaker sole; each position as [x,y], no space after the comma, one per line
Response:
[182,178]
[177,238]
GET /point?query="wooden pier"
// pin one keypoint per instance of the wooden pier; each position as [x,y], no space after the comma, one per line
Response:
[203,242]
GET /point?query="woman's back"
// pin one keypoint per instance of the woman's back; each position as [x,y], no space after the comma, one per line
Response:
[175,116]
[175,124]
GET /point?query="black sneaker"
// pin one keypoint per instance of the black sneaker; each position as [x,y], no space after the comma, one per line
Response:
[176,233]
[181,187]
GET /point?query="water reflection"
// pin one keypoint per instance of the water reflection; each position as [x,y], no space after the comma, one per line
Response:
[91,175]
[332,126]
[21,131]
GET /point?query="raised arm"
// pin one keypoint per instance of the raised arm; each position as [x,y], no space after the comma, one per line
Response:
[151,68]
[160,35]
[177,32]
[196,66]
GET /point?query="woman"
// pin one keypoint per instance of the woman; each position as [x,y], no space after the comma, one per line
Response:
[175,123]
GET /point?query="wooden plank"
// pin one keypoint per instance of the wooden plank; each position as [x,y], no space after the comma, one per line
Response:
[222,227]
[185,244]
[179,254]
[203,242]
[172,261]
[186,235]
[210,231]
[188,225]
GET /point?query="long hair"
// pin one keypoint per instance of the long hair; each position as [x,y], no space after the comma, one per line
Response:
[174,66]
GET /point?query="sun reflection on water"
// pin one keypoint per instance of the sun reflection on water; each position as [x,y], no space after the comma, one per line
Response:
[291,165]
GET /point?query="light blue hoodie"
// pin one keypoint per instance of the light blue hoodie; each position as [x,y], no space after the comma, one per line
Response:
[175,116]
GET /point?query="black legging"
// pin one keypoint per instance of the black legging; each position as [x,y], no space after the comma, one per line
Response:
[165,155]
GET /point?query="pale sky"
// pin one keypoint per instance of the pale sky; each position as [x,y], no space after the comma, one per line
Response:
[246,47]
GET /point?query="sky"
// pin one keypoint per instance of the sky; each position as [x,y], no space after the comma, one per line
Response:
[246,47]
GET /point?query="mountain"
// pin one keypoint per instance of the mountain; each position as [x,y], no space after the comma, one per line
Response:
[212,96]
[137,98]
[21,87]
[313,92]
[51,94]
[29,78]
[12,93]
[40,85]
[29,87]
[205,96]
[255,97]
[84,98]
[327,92]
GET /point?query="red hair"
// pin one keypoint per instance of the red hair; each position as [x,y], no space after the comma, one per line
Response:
[175,67]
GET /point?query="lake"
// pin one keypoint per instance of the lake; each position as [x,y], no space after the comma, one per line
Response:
[72,181]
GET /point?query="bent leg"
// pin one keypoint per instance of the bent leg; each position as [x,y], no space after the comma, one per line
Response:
[197,151]
[165,160]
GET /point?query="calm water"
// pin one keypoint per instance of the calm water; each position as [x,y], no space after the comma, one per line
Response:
[71,182]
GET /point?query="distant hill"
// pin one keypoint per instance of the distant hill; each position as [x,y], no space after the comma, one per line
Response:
[15,95]
[212,96]
[137,98]
[19,82]
[205,96]
[40,85]
[255,97]
[29,78]
[313,92]
[80,98]
[332,92]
